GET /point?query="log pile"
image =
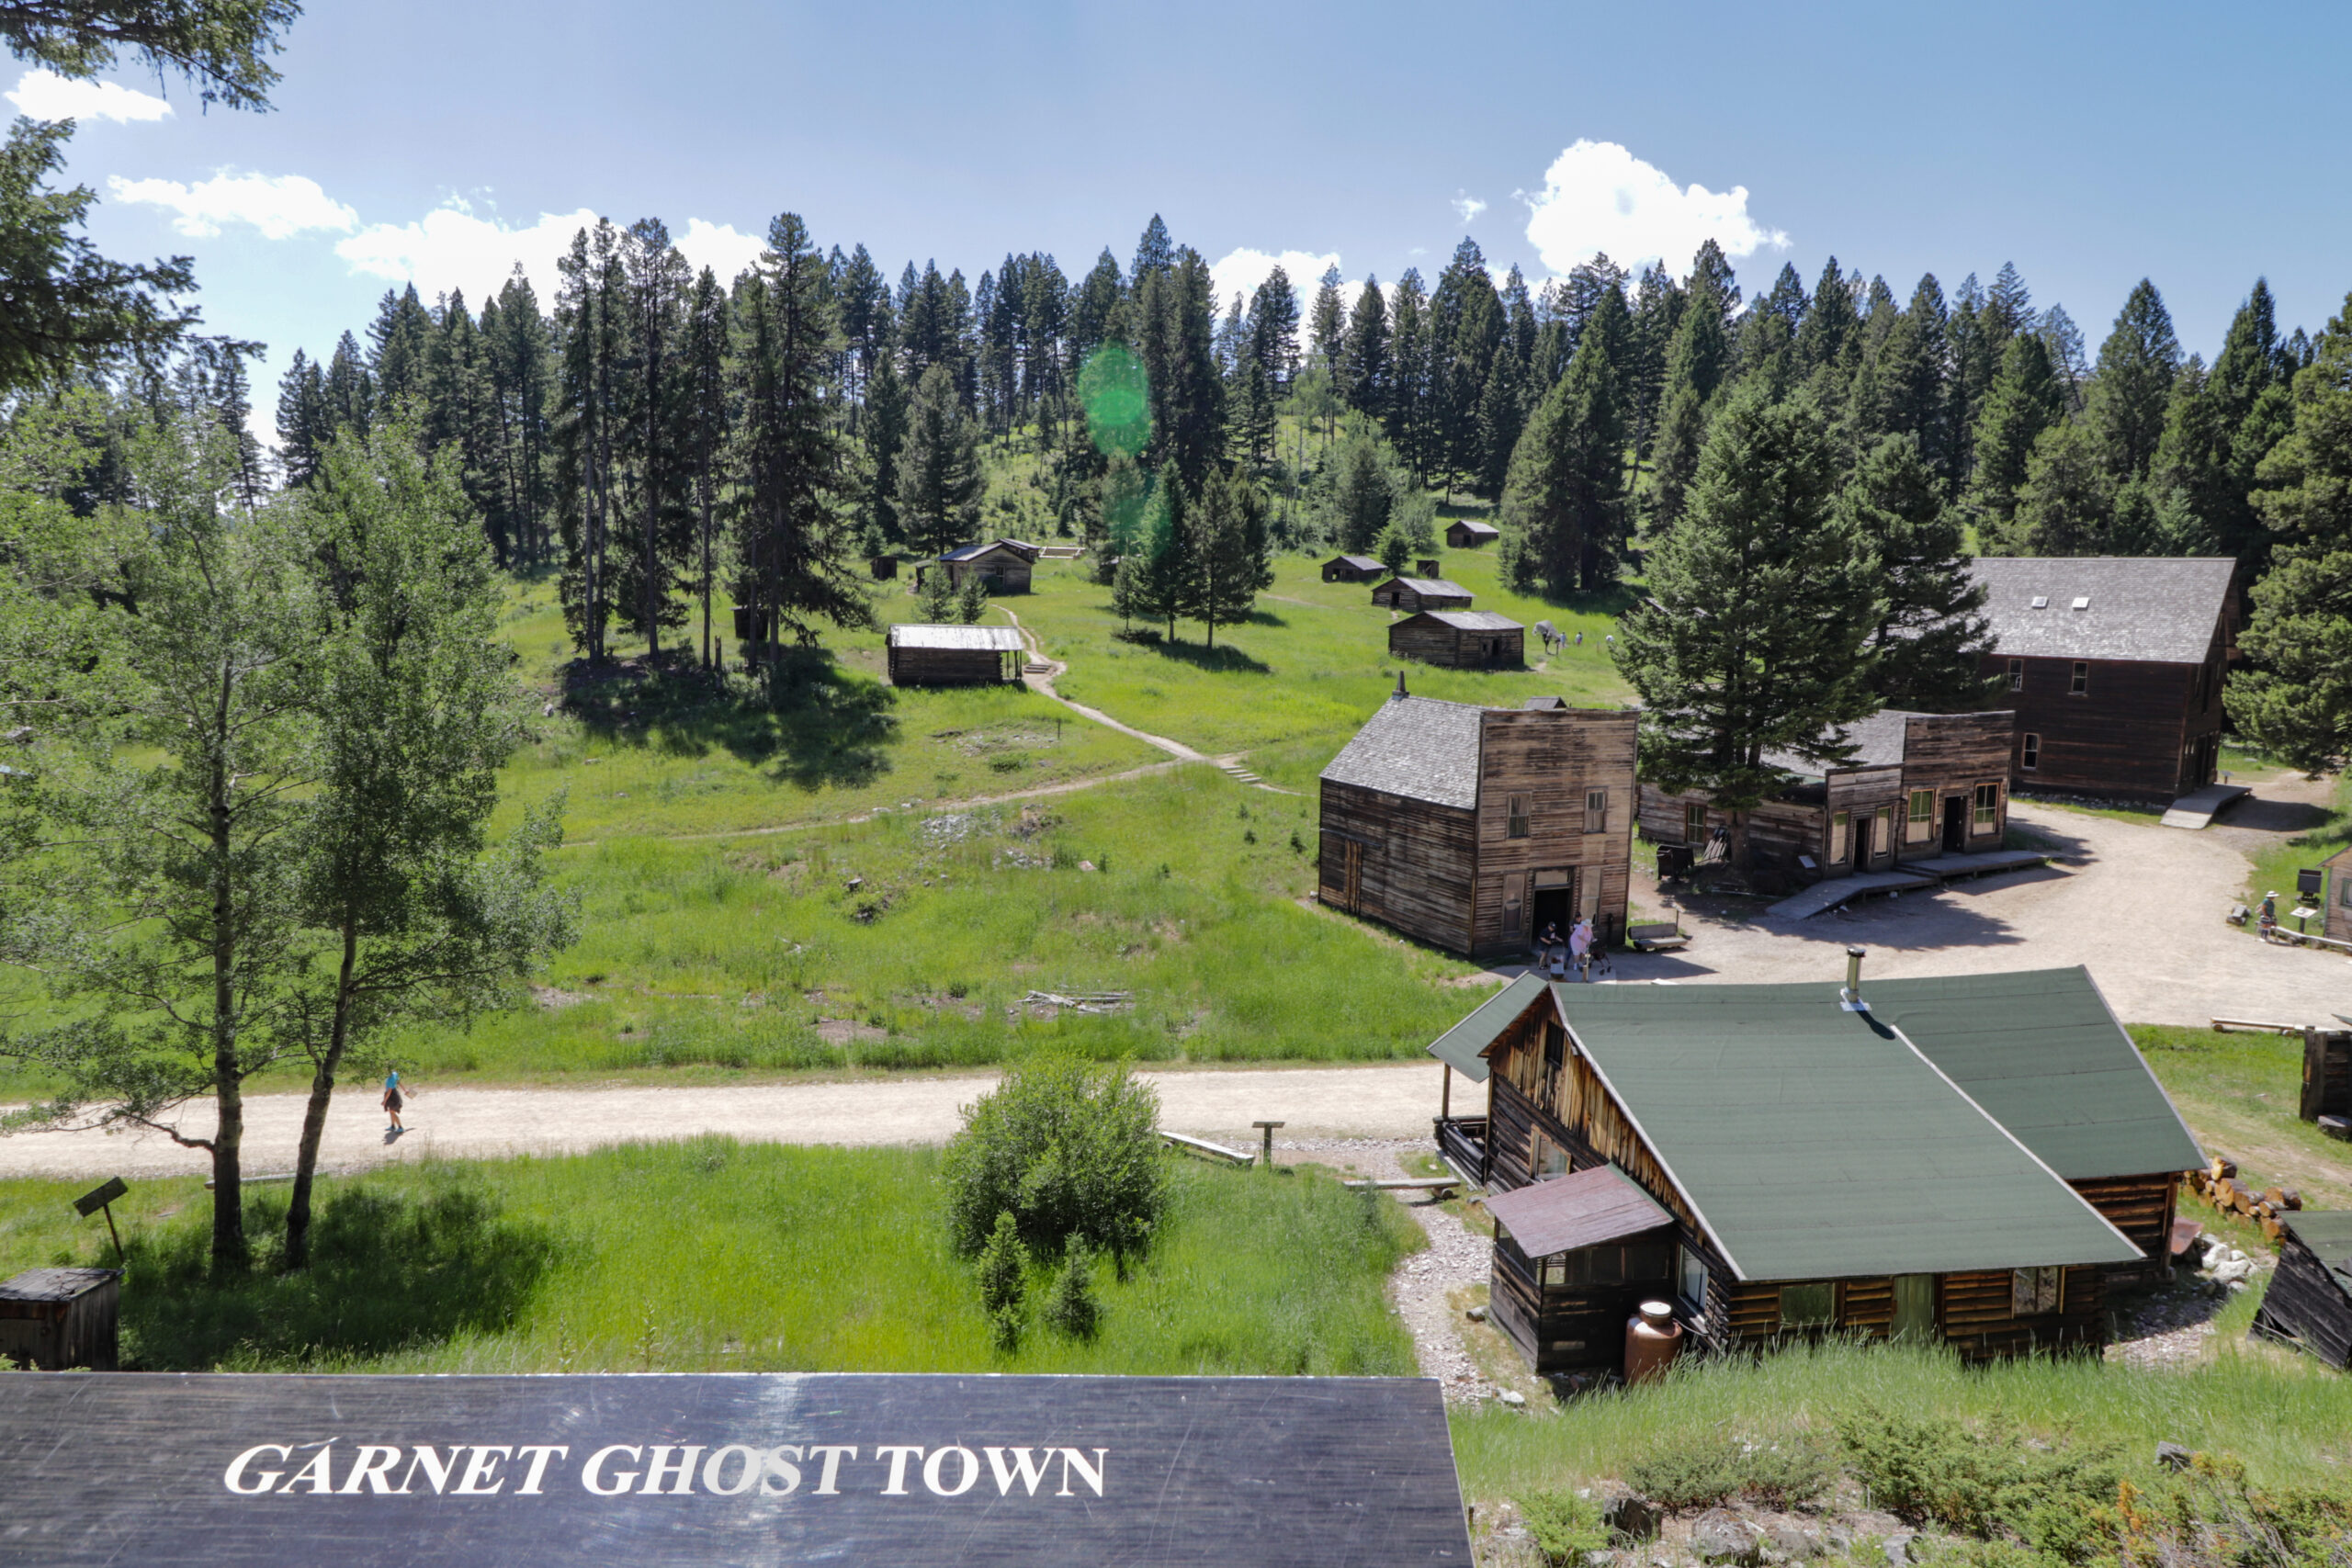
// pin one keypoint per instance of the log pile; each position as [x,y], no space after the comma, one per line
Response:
[2219,1184]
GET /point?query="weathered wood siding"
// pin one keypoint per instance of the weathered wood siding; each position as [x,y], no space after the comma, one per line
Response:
[2141,731]
[2327,1074]
[1951,755]
[1434,642]
[1974,1313]
[2304,1305]
[2141,1207]
[947,667]
[1418,861]
[1412,602]
[1551,758]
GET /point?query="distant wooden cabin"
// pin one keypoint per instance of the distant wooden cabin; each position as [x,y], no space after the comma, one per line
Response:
[1004,564]
[2309,1301]
[884,567]
[1353,569]
[1462,639]
[1472,829]
[1428,567]
[1413,595]
[1921,786]
[1967,1161]
[955,656]
[1464,535]
[2114,667]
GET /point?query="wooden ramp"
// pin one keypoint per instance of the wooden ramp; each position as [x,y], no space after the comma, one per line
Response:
[1823,897]
[1952,868]
[2198,808]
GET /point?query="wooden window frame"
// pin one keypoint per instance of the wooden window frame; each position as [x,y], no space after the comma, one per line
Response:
[2079,683]
[2017,674]
[1985,810]
[1514,903]
[1842,836]
[1516,816]
[1541,1148]
[1920,817]
[1595,811]
[2028,753]
[1694,822]
[1882,833]
[2029,1289]
[1823,1291]
[1689,1266]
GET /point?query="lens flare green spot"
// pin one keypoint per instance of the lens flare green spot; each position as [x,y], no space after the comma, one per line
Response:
[1118,401]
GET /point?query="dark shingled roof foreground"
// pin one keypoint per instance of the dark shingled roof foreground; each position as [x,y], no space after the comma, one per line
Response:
[2149,608]
[1415,747]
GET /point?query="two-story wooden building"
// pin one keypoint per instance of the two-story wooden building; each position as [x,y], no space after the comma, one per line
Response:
[1966,1159]
[1919,786]
[2114,667]
[1472,829]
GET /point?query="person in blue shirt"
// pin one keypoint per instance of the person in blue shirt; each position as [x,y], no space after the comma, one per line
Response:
[392,1099]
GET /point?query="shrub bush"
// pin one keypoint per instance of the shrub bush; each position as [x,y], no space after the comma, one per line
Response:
[1069,1150]
[1985,1483]
[1564,1527]
[1716,1467]
[1004,1279]
[1071,1306]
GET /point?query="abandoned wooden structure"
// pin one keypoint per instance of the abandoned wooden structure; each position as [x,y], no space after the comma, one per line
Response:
[2114,667]
[955,656]
[1004,564]
[2327,1072]
[54,1319]
[1475,828]
[1353,569]
[1463,640]
[1414,595]
[1464,535]
[1968,1159]
[2333,895]
[1921,786]
[2309,1302]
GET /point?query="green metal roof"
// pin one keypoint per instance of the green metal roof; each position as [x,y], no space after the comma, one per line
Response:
[2041,1052]
[1816,1143]
[1460,1045]
[2329,1233]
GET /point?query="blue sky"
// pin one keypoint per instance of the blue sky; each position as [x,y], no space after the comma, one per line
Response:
[2090,144]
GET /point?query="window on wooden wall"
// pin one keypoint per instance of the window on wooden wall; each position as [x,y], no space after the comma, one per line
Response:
[1988,806]
[1841,832]
[1882,832]
[1808,1306]
[1514,903]
[1612,1263]
[1919,825]
[1545,1157]
[1694,821]
[1595,811]
[1694,1280]
[1515,817]
[2081,685]
[2035,1290]
[2029,752]
[2017,674]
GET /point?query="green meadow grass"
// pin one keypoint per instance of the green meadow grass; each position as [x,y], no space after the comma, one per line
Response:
[2239,1094]
[706,1255]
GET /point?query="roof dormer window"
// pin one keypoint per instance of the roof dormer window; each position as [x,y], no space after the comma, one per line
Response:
[2083,603]
[2041,601]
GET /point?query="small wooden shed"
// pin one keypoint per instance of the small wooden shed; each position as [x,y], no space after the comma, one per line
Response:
[1413,595]
[1353,569]
[1004,564]
[1464,535]
[51,1319]
[2309,1303]
[1462,639]
[1576,1255]
[955,656]
[2327,1072]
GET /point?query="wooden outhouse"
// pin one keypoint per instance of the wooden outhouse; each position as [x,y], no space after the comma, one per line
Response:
[2327,1072]
[1353,569]
[1413,595]
[52,1319]
[1472,829]
[1921,786]
[1965,1160]
[955,656]
[1004,564]
[2114,667]
[1462,639]
[1464,535]
[2309,1301]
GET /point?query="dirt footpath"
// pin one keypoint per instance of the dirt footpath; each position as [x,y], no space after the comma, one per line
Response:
[2140,906]
[1387,1101]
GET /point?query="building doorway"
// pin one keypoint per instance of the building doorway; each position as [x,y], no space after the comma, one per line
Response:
[1915,1308]
[1861,841]
[1955,824]
[1554,909]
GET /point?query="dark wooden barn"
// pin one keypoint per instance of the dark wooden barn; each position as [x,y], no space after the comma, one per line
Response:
[54,1319]
[1414,595]
[1462,639]
[1472,829]
[955,656]
[1004,564]
[1353,569]
[1921,786]
[1464,535]
[1968,1159]
[2114,667]
[2309,1301]
[2327,1073]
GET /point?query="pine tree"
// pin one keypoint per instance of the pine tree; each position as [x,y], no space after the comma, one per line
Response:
[1657,311]
[884,435]
[1564,501]
[865,315]
[589,313]
[1362,494]
[1751,641]
[303,425]
[657,533]
[1928,643]
[2127,395]
[1831,325]
[521,358]
[1674,461]
[350,389]
[2065,342]
[2025,400]
[2219,425]
[1231,562]
[1156,576]
[1908,372]
[1154,252]
[1364,380]
[1326,329]
[707,420]
[2009,308]
[399,336]
[1091,310]
[1500,420]
[1409,404]
[1177,347]
[939,482]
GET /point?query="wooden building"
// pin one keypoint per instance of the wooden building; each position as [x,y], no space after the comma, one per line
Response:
[1004,564]
[2335,893]
[1472,829]
[1463,640]
[56,1319]
[1964,1159]
[2309,1301]
[955,656]
[1414,595]
[1921,786]
[1353,569]
[2114,667]
[1464,535]
[2327,1073]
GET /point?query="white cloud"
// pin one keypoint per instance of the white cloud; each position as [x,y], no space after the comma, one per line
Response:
[44,95]
[1599,196]
[454,247]
[718,247]
[1241,271]
[1469,207]
[280,206]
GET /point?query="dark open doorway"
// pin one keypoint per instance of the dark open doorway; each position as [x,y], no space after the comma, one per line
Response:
[1555,910]
[1955,823]
[1861,841]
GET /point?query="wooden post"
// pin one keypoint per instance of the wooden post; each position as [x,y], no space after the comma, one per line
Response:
[1445,1095]
[1268,1128]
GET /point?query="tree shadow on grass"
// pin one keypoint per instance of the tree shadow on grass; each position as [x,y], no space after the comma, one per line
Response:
[1223,658]
[390,1271]
[815,724]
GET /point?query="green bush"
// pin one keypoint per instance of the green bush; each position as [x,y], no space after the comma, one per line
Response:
[1984,1483]
[1071,1306]
[1785,1471]
[1069,1150]
[1716,1467]
[1564,1527]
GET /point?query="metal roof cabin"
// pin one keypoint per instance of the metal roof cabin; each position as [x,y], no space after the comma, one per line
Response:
[2308,1303]
[2114,666]
[1472,829]
[923,655]
[1004,564]
[1353,569]
[1460,640]
[1464,535]
[1967,1159]
[1413,595]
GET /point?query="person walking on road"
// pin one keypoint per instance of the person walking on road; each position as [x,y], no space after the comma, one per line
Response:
[392,1099]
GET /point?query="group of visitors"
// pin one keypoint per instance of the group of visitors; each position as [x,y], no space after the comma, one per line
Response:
[1577,953]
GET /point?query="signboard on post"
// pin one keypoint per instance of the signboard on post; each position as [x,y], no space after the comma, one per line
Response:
[694,1470]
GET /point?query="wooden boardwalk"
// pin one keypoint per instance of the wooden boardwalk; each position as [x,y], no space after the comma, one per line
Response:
[2198,808]
[1920,874]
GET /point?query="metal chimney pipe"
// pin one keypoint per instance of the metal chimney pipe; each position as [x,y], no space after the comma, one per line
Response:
[1850,998]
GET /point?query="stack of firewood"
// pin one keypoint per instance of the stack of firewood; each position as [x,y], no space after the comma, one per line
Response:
[2219,1184]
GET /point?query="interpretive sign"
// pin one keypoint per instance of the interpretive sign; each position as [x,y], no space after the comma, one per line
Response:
[644,1470]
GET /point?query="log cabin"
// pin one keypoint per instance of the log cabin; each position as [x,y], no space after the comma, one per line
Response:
[1414,595]
[1921,786]
[1472,829]
[1464,535]
[955,656]
[2309,1302]
[1353,569]
[1968,1159]
[1460,640]
[2114,667]
[1004,564]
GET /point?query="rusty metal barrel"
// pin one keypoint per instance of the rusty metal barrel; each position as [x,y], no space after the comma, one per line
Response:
[1652,1341]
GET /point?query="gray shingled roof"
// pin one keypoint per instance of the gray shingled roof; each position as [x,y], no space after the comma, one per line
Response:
[1879,741]
[1469,620]
[1415,747]
[970,552]
[2148,608]
[1359,563]
[1486,530]
[962,639]
[1428,586]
